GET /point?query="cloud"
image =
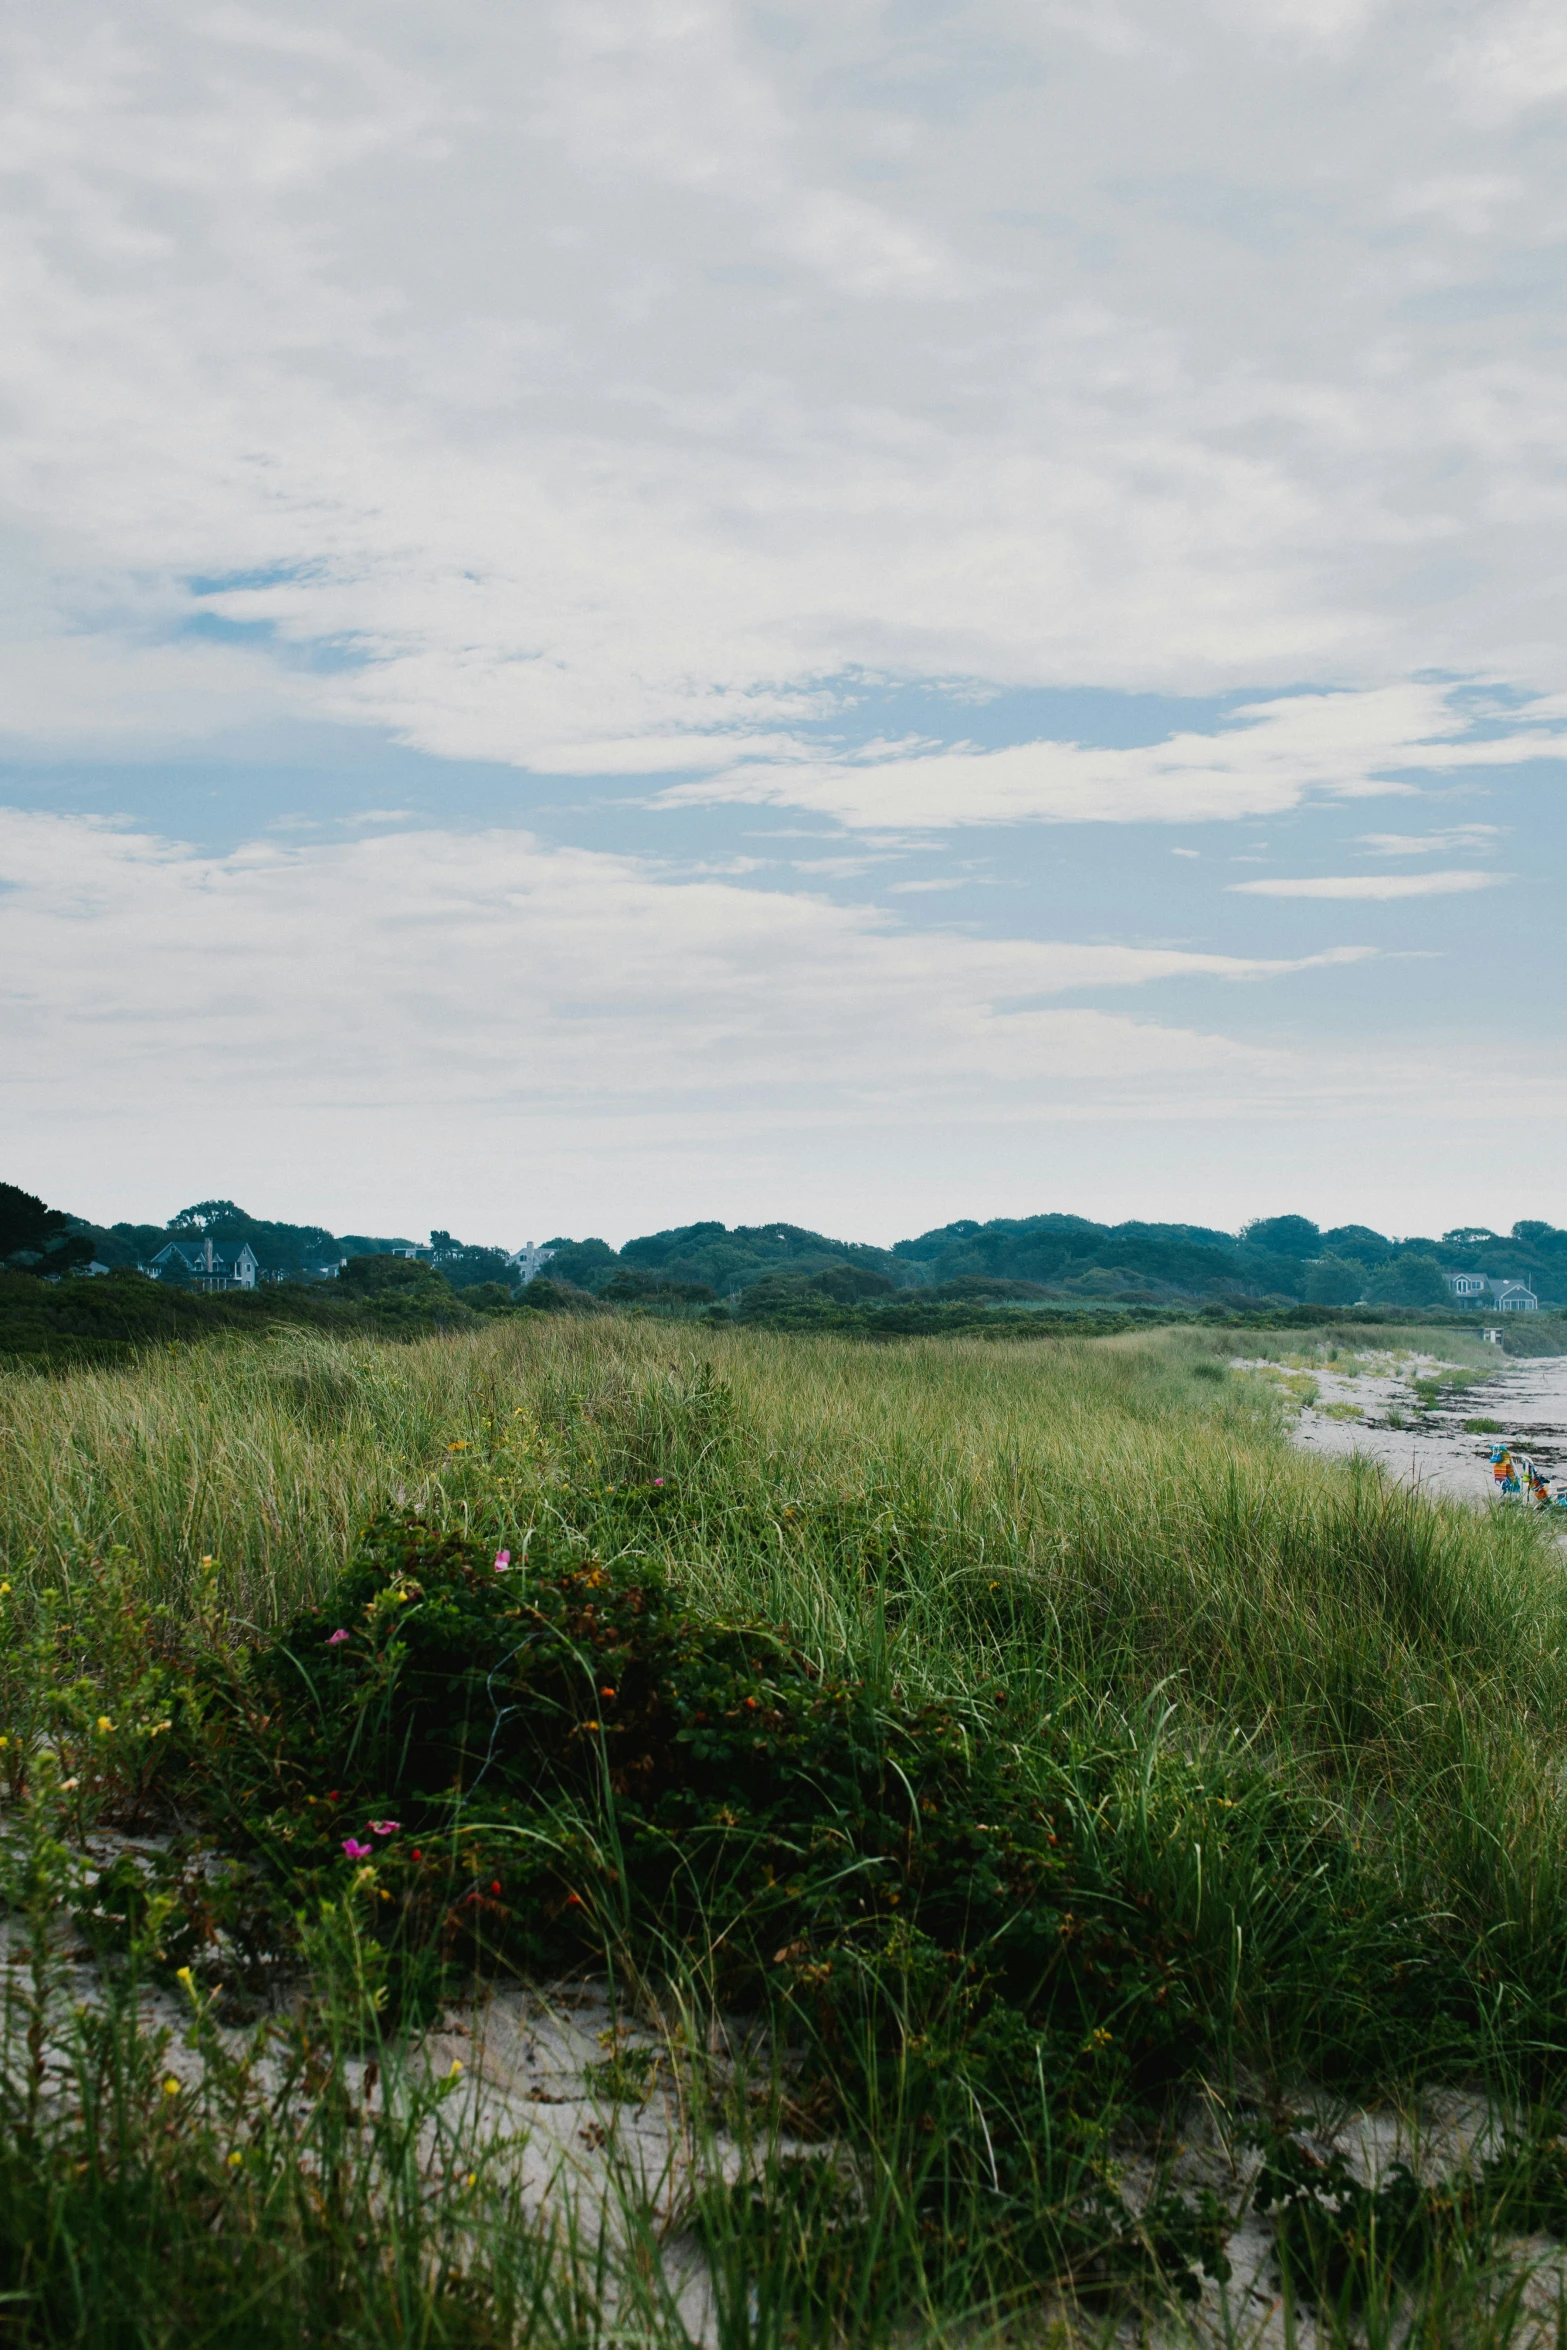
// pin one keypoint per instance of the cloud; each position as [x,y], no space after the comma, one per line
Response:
[1268,757]
[653,388]
[1370,885]
[593,385]
[1514,58]
[446,995]
[1473,839]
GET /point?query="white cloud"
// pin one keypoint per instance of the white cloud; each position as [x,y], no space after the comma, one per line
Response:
[592,388]
[604,377]
[1370,885]
[447,995]
[1466,839]
[1509,59]
[1268,758]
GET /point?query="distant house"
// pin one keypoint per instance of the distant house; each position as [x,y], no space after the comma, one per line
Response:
[206,1267]
[527,1260]
[1508,1297]
[1468,1285]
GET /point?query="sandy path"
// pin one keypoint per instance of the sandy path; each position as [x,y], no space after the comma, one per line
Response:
[1431,1447]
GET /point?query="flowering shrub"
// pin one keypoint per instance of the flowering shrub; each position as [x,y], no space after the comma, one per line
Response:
[540,1757]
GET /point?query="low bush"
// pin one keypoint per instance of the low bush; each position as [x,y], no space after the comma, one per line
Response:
[542,1759]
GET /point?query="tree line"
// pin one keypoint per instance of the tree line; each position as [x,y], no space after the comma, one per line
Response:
[762,1269]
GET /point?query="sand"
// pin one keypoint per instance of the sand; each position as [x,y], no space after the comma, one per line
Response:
[1373,1411]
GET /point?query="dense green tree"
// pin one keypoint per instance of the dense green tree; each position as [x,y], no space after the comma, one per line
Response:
[632,1286]
[1283,1236]
[581,1264]
[729,1261]
[1359,1242]
[209,1215]
[1335,1281]
[38,1239]
[381,1276]
[1412,1278]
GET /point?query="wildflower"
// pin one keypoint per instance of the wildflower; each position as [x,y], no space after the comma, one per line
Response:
[235,2159]
[336,1639]
[658,1480]
[495,1884]
[171,2087]
[104,1725]
[456,2068]
[502,1561]
[4,1588]
[184,1975]
[472,2179]
[355,1851]
[461,1445]
[386,1827]
[606,1693]
[417,1854]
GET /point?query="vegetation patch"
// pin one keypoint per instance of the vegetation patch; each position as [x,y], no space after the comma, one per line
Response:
[1017,1743]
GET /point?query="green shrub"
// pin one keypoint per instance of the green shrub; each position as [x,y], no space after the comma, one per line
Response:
[535,1756]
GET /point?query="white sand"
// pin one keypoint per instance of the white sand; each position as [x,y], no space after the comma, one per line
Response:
[1431,1449]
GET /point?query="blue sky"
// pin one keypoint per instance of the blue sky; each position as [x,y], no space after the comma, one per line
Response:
[866,612]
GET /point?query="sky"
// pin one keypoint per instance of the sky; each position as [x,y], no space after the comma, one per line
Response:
[853,611]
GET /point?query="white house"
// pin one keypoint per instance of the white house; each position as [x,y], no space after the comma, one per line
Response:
[207,1267]
[1467,1285]
[1508,1297]
[528,1259]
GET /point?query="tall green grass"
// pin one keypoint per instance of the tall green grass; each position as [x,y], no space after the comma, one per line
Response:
[1104,1550]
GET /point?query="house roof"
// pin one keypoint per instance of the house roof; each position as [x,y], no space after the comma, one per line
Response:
[194,1255]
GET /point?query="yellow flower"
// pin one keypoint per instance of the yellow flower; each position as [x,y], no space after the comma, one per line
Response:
[4,1588]
[171,2087]
[235,2159]
[104,1725]
[184,1975]
[456,2068]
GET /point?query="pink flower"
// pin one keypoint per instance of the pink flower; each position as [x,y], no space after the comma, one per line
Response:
[336,1639]
[355,1851]
[658,1480]
[502,1561]
[385,1827]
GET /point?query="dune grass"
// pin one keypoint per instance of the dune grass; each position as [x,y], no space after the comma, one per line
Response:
[1100,1556]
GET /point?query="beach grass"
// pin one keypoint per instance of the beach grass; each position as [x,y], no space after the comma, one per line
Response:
[1307,1723]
